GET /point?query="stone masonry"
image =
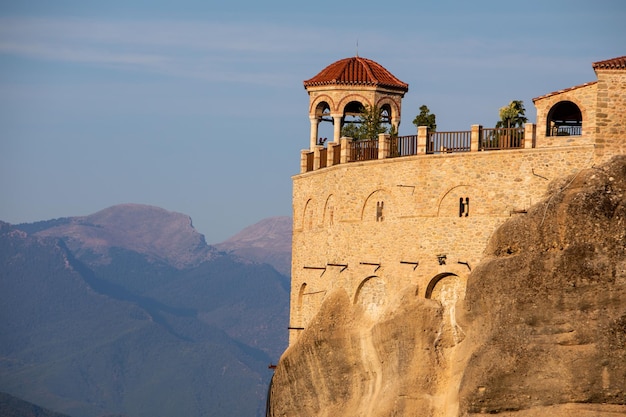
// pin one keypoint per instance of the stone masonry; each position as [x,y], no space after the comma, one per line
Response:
[378,227]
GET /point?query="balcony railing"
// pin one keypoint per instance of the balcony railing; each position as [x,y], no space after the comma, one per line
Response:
[446,142]
[364,150]
[565,130]
[501,138]
[402,146]
[478,139]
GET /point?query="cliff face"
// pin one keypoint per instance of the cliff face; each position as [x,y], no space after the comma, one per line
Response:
[539,330]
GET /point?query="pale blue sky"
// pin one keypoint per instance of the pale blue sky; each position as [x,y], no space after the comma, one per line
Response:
[198,106]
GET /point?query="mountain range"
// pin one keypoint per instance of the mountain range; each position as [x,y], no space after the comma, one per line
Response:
[130,312]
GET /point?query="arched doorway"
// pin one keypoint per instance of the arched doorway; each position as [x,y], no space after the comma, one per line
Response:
[371,296]
[447,288]
[564,119]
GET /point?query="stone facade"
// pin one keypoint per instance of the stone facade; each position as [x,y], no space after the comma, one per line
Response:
[376,228]
[611,113]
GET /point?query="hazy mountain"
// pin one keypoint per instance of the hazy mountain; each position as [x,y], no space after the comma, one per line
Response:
[158,234]
[100,317]
[11,406]
[268,241]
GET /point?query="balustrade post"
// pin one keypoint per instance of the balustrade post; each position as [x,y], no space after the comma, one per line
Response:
[530,131]
[316,157]
[345,150]
[383,145]
[475,138]
[330,153]
[422,138]
[303,154]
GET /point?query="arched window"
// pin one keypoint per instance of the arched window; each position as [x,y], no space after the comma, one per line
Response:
[564,119]
[352,112]
[325,130]
[385,114]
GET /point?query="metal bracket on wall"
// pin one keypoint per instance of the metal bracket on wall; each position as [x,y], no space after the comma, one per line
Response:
[415,264]
[322,268]
[343,266]
[407,186]
[377,265]
[466,264]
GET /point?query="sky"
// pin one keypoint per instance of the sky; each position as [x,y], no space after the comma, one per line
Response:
[198,107]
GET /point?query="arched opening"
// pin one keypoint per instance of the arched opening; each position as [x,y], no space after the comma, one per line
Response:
[447,288]
[433,282]
[352,114]
[385,114]
[325,121]
[307,215]
[564,119]
[377,207]
[371,295]
[329,211]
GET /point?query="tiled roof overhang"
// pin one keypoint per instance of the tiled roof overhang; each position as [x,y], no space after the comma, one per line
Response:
[614,63]
[356,71]
[564,90]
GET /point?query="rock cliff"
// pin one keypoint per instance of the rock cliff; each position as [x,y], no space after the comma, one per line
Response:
[539,330]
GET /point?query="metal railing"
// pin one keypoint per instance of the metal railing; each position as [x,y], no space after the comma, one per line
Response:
[566,130]
[364,150]
[402,146]
[336,154]
[501,138]
[446,142]
[433,143]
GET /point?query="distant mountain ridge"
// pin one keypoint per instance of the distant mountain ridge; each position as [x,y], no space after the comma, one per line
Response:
[155,232]
[11,406]
[129,311]
[267,241]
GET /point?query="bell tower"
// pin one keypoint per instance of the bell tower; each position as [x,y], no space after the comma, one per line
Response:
[341,89]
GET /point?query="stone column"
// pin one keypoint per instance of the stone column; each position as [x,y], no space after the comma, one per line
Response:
[530,130]
[315,121]
[330,153]
[345,150]
[316,157]
[337,127]
[383,145]
[303,154]
[422,138]
[395,122]
[475,138]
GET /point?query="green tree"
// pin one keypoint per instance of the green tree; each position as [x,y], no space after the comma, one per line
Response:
[426,118]
[512,115]
[368,125]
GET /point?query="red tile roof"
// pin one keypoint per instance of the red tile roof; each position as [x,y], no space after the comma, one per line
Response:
[564,90]
[356,71]
[614,63]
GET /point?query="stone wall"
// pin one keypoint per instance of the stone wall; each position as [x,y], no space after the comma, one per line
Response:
[379,227]
[611,113]
[375,228]
[584,96]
